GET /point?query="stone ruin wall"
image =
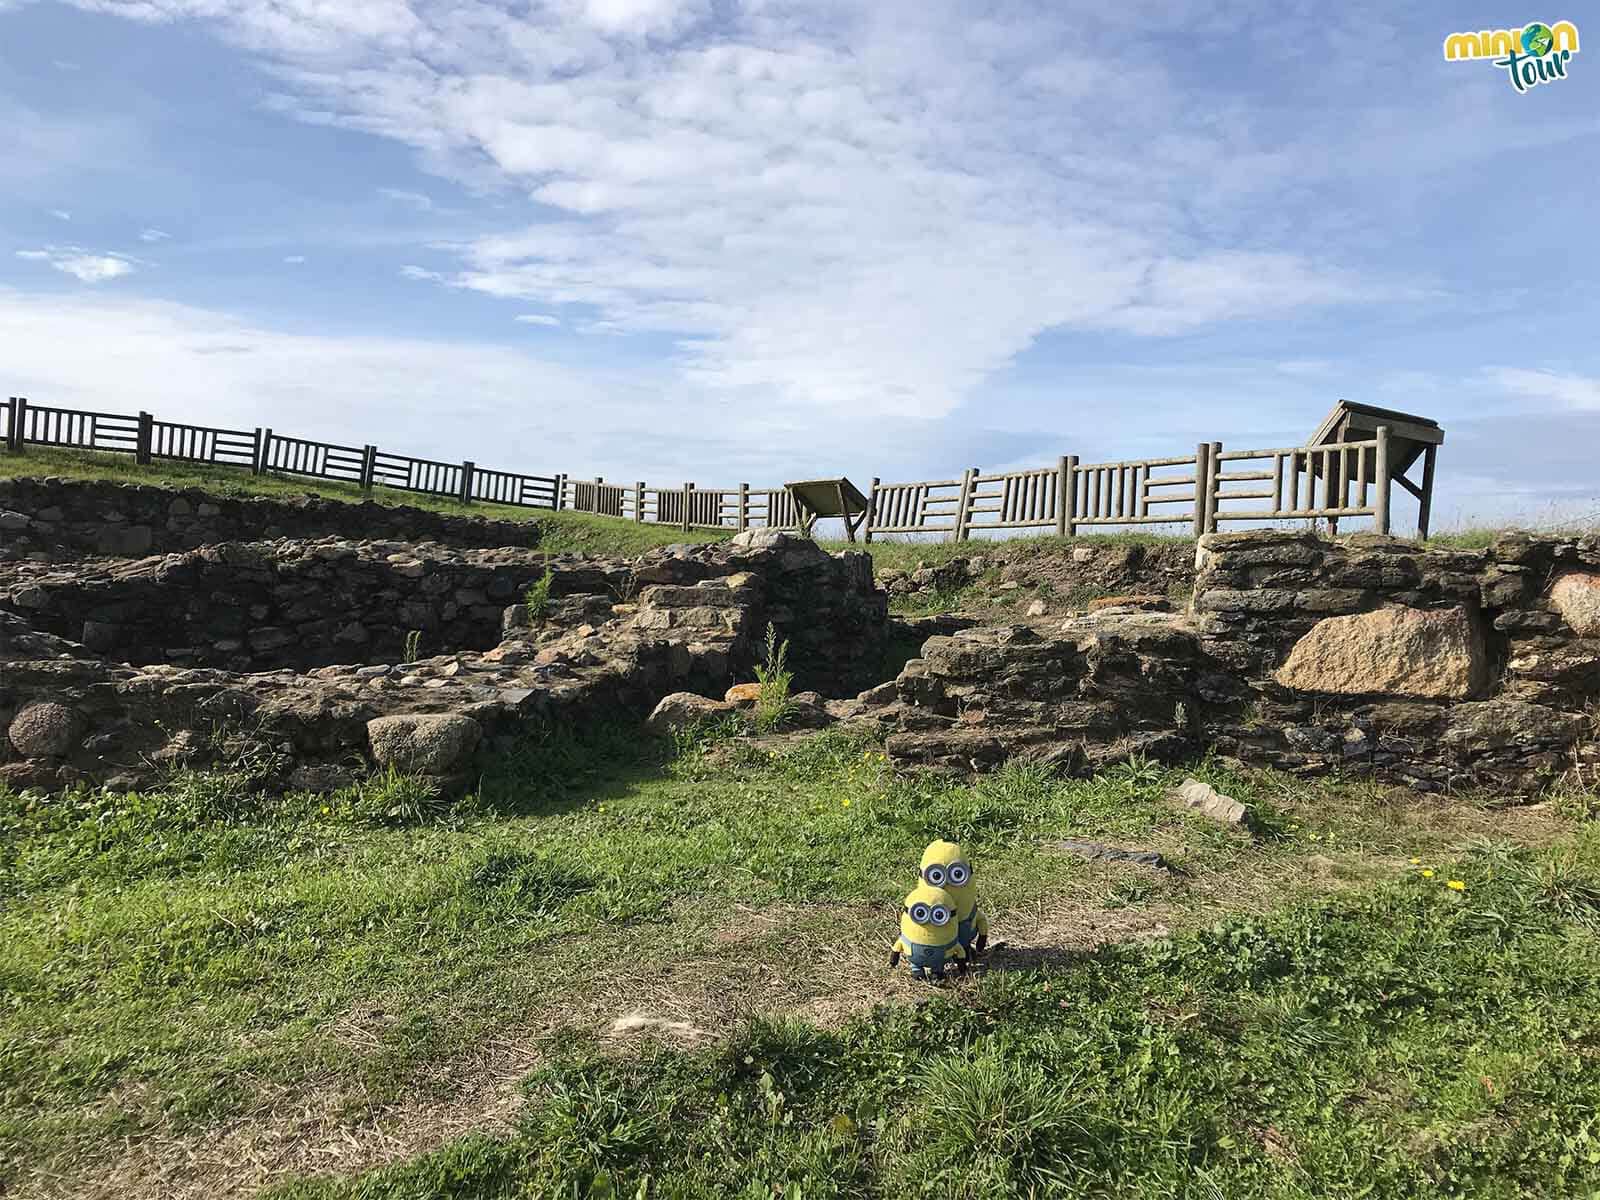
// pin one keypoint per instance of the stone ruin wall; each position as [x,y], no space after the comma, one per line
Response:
[1437,668]
[45,518]
[1365,656]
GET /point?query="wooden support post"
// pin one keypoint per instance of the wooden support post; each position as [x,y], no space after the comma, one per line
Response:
[264,451]
[1213,469]
[1202,473]
[255,453]
[1380,505]
[141,445]
[11,423]
[369,466]
[638,501]
[872,510]
[964,505]
[688,492]
[1425,504]
[744,507]
[561,491]
[465,495]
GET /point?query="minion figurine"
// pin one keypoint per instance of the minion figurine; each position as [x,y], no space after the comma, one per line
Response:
[944,866]
[928,933]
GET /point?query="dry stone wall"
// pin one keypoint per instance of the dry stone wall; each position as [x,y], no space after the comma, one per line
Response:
[616,637]
[1438,668]
[49,518]
[256,606]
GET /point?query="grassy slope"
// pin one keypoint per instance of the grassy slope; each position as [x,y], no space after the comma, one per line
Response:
[578,532]
[176,960]
[563,531]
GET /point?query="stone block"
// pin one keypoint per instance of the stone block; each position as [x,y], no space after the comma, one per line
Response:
[1391,651]
[680,710]
[1576,596]
[430,743]
[44,730]
[1210,803]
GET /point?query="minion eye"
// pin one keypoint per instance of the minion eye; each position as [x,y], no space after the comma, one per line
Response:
[934,875]
[960,873]
[940,915]
[919,913]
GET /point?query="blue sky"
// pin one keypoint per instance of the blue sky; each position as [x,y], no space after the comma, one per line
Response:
[758,240]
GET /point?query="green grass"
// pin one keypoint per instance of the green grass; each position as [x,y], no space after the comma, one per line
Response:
[561,532]
[902,553]
[1414,1041]
[174,960]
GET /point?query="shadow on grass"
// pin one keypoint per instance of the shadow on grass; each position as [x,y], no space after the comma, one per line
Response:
[559,769]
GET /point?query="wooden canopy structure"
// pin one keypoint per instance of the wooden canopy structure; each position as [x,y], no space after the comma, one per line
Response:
[840,498]
[1410,437]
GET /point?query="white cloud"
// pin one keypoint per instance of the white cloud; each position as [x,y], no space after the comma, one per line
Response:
[537,319]
[81,264]
[506,408]
[61,214]
[294,258]
[855,206]
[153,235]
[1572,391]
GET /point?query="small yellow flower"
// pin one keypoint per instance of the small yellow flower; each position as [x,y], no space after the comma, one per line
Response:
[326,810]
[1456,885]
[847,803]
[1415,861]
[1427,872]
[599,808]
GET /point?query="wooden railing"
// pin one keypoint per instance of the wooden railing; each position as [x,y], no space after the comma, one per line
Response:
[1201,490]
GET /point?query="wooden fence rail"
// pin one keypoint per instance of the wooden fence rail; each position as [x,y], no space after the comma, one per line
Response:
[1201,490]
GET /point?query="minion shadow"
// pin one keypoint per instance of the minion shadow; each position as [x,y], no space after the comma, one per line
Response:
[1004,956]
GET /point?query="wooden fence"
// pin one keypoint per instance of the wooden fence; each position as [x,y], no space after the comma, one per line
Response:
[1202,490]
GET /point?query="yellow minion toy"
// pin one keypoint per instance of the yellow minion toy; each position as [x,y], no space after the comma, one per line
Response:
[928,933]
[944,866]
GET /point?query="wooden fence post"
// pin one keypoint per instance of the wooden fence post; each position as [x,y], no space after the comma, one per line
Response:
[688,491]
[1380,506]
[19,423]
[1213,469]
[1063,505]
[964,504]
[1202,474]
[638,501]
[369,466]
[467,468]
[141,444]
[561,491]
[744,507]
[264,451]
[872,510]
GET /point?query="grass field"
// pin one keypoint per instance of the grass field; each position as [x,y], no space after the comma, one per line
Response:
[206,993]
[639,969]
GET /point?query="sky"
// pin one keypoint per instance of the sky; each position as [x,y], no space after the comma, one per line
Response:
[760,240]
